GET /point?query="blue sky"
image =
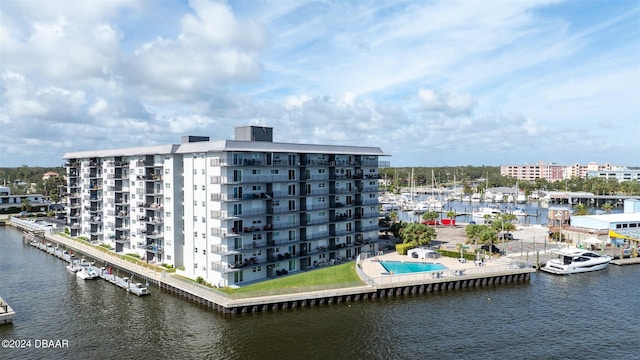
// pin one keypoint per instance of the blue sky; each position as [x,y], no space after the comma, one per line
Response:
[432,83]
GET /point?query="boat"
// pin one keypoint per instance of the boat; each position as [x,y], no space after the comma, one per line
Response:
[123,282]
[573,261]
[492,211]
[521,198]
[74,265]
[87,273]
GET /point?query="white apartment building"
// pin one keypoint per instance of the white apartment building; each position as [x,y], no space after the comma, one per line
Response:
[229,211]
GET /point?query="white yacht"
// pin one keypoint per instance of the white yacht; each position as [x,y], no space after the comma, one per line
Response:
[492,211]
[572,261]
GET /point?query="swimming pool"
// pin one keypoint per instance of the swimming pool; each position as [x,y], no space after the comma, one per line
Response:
[398,267]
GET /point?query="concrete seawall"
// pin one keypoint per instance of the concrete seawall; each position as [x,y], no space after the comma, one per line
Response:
[212,298]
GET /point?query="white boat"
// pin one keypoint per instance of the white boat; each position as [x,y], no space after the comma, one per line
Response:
[572,261]
[488,210]
[518,212]
[87,273]
[74,265]
[521,198]
[123,282]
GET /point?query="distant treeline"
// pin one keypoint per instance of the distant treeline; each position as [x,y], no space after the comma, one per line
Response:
[32,175]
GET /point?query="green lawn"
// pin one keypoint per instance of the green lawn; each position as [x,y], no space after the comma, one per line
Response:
[343,275]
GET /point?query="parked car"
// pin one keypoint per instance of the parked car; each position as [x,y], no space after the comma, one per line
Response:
[506,236]
[491,248]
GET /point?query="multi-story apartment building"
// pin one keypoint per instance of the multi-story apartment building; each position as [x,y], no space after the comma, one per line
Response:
[552,172]
[229,211]
[620,175]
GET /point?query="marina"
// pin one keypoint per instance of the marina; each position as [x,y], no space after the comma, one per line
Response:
[164,323]
[374,286]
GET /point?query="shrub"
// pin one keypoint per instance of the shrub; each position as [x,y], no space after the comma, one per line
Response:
[133,255]
[200,280]
[403,248]
[106,246]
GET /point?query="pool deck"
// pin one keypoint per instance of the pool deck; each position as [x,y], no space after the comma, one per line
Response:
[456,269]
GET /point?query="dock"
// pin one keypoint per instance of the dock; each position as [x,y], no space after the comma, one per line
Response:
[371,288]
[626,261]
[6,313]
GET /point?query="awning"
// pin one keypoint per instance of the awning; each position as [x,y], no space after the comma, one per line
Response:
[593,240]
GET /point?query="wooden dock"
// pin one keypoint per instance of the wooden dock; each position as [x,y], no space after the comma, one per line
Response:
[626,261]
[6,313]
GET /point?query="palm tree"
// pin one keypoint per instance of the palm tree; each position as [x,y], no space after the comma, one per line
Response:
[607,207]
[26,205]
[393,216]
[430,216]
[451,215]
[581,210]
[417,234]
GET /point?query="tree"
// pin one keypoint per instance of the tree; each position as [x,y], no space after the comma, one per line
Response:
[417,234]
[393,216]
[451,215]
[607,207]
[430,216]
[581,210]
[26,204]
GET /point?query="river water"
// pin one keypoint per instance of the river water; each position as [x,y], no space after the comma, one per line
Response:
[586,316]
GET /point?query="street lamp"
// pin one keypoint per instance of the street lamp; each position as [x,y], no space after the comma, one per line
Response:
[559,216]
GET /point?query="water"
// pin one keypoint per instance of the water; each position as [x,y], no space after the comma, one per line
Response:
[397,267]
[536,213]
[586,316]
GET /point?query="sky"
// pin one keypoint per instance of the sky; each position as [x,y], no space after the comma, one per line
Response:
[432,83]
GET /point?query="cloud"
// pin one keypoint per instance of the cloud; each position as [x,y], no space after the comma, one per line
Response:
[449,104]
[213,49]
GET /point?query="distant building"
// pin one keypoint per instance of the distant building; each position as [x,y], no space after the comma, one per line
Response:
[229,211]
[49,175]
[620,227]
[5,191]
[620,175]
[553,172]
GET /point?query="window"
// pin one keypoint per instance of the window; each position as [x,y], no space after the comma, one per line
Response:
[257,187]
[292,235]
[255,172]
[195,234]
[204,172]
[167,214]
[274,171]
[195,187]
[204,204]
[167,185]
